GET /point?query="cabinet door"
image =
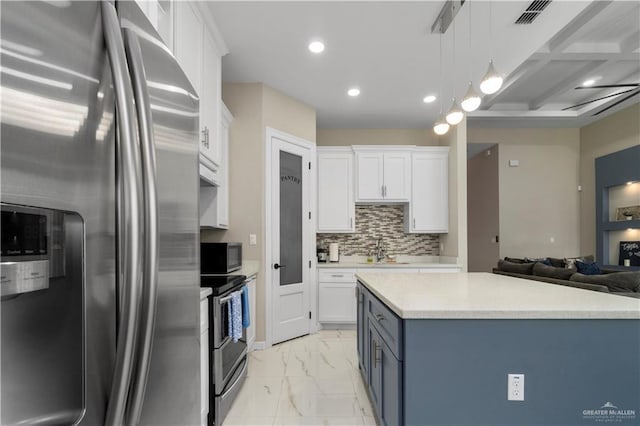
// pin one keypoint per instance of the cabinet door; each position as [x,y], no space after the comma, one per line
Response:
[430,193]
[251,330]
[385,382]
[361,330]
[336,302]
[369,176]
[336,206]
[188,38]
[210,102]
[397,176]
[223,189]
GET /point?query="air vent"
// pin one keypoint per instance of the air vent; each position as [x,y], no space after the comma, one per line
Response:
[532,11]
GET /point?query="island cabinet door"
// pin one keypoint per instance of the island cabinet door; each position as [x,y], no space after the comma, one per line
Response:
[361,330]
[385,372]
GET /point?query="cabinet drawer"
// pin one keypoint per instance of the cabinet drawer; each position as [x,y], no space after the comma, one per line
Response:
[387,323]
[337,276]
[204,315]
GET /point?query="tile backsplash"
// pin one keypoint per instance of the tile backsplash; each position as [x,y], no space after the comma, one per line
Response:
[386,222]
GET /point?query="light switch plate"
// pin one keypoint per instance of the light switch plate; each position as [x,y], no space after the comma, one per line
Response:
[252,240]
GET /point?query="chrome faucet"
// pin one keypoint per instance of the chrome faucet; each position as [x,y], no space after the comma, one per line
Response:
[381,252]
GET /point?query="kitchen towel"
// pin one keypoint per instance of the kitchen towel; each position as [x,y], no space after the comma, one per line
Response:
[246,320]
[235,317]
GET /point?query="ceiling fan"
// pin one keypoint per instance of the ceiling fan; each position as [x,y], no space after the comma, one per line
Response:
[629,94]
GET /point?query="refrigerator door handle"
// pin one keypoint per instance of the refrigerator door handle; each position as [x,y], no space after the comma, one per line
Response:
[150,277]
[129,218]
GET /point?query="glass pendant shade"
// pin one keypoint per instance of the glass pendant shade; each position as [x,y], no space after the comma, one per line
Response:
[441,127]
[455,114]
[492,81]
[471,100]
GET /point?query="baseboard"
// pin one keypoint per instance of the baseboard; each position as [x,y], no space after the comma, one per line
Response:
[259,346]
[337,326]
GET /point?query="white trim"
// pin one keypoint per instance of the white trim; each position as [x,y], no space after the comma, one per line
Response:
[259,346]
[303,143]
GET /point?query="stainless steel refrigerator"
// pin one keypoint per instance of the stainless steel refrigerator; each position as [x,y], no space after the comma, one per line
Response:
[100,232]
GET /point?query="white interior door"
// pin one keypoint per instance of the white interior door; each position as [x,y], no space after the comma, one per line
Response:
[291,233]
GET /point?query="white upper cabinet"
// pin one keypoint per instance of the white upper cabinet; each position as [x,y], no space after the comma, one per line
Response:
[336,205]
[199,48]
[210,101]
[428,211]
[383,175]
[188,41]
[214,200]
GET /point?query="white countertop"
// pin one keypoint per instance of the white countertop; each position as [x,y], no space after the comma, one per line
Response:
[204,292]
[483,295]
[407,262]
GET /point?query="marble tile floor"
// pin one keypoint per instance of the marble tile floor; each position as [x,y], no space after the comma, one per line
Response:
[312,380]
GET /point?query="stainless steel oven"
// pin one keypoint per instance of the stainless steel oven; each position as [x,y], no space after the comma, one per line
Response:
[227,359]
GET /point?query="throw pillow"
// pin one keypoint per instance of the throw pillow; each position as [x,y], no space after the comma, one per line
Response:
[588,268]
[558,263]
[570,262]
[516,268]
[514,260]
[542,270]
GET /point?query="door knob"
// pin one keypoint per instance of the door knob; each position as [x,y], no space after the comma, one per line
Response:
[277,266]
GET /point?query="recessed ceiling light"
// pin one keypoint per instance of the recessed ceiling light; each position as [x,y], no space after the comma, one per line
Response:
[589,82]
[429,99]
[316,46]
[354,91]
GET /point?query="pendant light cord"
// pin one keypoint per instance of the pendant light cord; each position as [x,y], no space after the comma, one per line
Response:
[441,82]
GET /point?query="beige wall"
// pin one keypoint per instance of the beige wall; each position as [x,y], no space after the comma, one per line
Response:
[454,243]
[539,199]
[254,107]
[348,137]
[483,207]
[614,133]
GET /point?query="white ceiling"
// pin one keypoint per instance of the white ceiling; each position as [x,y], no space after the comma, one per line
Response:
[388,50]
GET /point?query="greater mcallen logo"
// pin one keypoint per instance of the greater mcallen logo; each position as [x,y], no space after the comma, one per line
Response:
[609,413]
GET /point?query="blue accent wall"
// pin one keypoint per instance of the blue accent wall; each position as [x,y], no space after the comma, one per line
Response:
[614,169]
[455,371]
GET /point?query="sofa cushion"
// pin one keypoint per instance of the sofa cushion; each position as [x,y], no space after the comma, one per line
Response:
[518,268]
[558,263]
[514,260]
[616,281]
[543,270]
[588,268]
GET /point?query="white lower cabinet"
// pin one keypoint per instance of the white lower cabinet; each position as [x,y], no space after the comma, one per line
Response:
[204,361]
[336,296]
[251,330]
[337,299]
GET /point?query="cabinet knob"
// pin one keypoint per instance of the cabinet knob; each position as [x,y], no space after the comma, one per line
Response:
[379,317]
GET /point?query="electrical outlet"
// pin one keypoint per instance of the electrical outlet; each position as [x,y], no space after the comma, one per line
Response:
[515,387]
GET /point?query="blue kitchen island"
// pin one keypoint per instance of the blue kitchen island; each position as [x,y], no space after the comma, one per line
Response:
[436,349]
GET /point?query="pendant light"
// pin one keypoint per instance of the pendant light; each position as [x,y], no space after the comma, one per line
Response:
[492,81]
[441,127]
[472,99]
[455,114]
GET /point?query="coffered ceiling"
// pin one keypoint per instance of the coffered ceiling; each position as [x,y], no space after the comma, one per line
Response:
[388,51]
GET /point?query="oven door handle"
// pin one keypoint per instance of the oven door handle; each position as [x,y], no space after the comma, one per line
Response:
[235,384]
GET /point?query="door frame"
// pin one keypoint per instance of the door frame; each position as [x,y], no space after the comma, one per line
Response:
[272,133]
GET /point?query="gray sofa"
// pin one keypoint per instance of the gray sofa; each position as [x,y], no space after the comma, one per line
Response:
[608,281]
